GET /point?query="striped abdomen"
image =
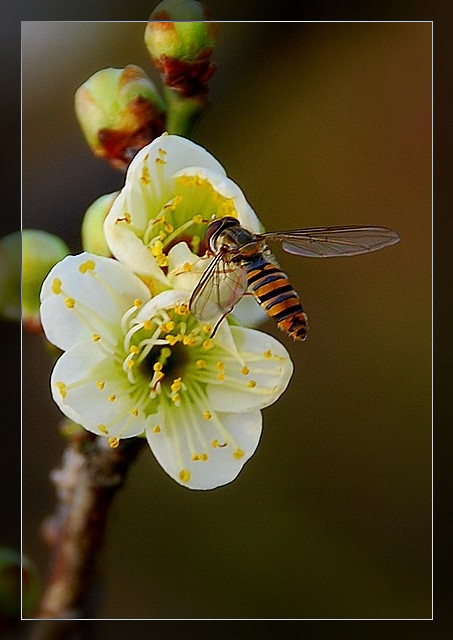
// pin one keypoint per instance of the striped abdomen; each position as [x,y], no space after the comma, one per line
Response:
[271,288]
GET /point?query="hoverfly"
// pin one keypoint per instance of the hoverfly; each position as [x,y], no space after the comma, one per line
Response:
[242,263]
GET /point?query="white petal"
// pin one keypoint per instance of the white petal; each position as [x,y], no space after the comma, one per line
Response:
[222,445]
[90,389]
[249,313]
[101,296]
[269,372]
[163,300]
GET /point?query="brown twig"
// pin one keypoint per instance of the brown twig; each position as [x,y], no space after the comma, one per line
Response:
[90,476]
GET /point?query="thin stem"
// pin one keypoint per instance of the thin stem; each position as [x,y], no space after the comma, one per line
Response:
[183,112]
[90,476]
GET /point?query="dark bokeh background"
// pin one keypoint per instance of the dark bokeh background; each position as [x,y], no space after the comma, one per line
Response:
[319,123]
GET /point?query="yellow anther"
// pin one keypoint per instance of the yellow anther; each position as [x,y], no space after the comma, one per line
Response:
[195,244]
[88,265]
[113,442]
[189,340]
[171,339]
[187,266]
[215,443]
[56,286]
[221,377]
[145,175]
[69,302]
[162,152]
[203,457]
[160,161]
[195,457]
[176,399]
[208,344]
[147,325]
[162,260]
[182,309]
[220,366]
[95,337]
[245,371]
[251,384]
[130,363]
[137,302]
[207,329]
[112,398]
[100,384]
[61,388]
[238,454]
[201,364]
[166,327]
[126,218]
[102,428]
[134,412]
[134,349]
[157,248]
[268,354]
[198,219]
[207,415]
[157,366]
[176,385]
[168,227]
[156,429]
[184,475]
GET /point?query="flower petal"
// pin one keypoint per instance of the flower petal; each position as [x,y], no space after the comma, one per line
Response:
[203,453]
[90,389]
[85,295]
[258,380]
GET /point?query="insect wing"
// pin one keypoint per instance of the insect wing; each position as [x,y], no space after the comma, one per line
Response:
[330,242]
[220,287]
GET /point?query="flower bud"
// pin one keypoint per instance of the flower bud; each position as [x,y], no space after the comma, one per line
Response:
[40,252]
[10,276]
[120,111]
[180,43]
[93,238]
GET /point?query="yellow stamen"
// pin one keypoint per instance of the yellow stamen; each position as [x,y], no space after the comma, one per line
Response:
[208,344]
[137,302]
[96,337]
[113,442]
[100,384]
[156,429]
[69,302]
[102,428]
[251,384]
[112,398]
[207,415]
[238,454]
[88,265]
[201,364]
[61,386]
[268,354]
[134,412]
[245,371]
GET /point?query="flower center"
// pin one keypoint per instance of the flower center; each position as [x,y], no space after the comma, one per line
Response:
[185,217]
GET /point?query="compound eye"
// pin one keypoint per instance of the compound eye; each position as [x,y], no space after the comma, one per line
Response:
[216,227]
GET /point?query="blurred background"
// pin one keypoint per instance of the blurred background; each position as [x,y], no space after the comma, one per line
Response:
[319,124]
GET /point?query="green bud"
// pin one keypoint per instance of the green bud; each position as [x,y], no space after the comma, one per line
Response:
[120,111]
[180,42]
[10,249]
[13,570]
[40,252]
[93,238]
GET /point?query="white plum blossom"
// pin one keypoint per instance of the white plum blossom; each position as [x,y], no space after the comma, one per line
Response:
[138,364]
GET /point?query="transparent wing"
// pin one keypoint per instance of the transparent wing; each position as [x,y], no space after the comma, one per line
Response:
[330,242]
[220,287]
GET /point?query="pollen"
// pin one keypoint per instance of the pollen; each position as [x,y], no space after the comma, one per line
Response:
[112,398]
[207,329]
[238,454]
[134,412]
[215,443]
[195,457]
[171,339]
[113,442]
[137,302]
[162,152]
[56,286]
[147,325]
[166,327]
[157,248]
[201,364]
[176,385]
[145,174]
[245,371]
[184,475]
[158,161]
[88,265]
[156,428]
[95,337]
[100,384]
[182,309]
[208,344]
[69,302]
[251,384]
[221,377]
[207,415]
[61,388]
[134,349]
